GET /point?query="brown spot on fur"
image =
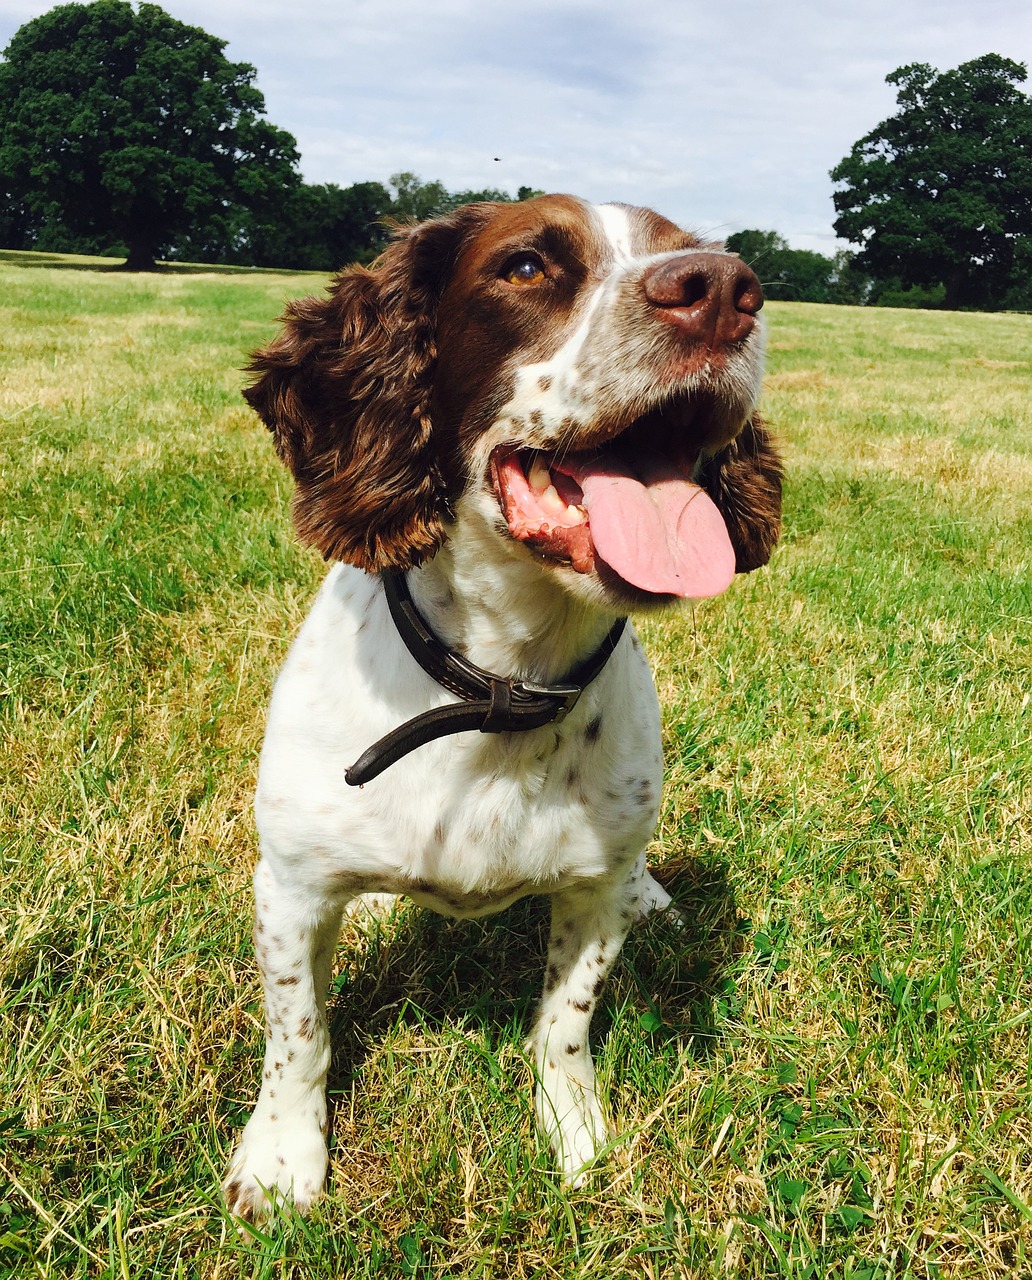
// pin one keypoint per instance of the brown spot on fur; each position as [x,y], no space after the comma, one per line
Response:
[593,729]
[582,1006]
[573,1048]
[599,984]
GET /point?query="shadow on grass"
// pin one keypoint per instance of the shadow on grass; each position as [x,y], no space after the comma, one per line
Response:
[424,970]
[116,266]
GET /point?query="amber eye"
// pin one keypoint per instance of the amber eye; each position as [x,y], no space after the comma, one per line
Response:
[524,268]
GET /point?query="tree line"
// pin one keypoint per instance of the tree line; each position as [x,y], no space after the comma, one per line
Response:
[125,131]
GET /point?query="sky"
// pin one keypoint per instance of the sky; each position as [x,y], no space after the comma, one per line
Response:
[721,115]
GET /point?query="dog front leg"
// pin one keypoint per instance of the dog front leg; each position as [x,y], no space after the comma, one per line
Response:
[282,1151]
[588,929]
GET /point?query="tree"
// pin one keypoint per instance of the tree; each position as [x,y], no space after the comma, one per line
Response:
[938,193]
[415,199]
[130,127]
[794,275]
[320,227]
[758,248]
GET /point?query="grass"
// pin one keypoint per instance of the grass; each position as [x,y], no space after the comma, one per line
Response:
[827,1076]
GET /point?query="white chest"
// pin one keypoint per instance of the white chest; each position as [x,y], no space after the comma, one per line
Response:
[465,824]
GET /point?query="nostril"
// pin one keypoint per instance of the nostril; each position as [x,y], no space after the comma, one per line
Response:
[694,288]
[748,293]
[679,282]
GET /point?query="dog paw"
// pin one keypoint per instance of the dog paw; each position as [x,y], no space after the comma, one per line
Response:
[653,897]
[274,1165]
[570,1117]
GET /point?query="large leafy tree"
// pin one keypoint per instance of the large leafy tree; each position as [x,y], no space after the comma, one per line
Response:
[123,125]
[941,191]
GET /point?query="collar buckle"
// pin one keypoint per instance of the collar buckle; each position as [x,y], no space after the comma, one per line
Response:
[566,695]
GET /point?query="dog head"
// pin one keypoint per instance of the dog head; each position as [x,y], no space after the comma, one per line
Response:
[591,373]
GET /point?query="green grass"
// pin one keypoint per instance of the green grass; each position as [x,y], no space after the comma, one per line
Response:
[827,1076]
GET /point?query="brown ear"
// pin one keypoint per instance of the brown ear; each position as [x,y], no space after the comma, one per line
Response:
[744,480]
[345,389]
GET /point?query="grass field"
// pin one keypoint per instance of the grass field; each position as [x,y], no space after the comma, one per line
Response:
[828,1077]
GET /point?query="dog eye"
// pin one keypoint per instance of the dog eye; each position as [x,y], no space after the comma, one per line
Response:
[524,268]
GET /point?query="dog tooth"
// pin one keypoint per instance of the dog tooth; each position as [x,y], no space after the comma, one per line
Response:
[539,477]
[551,501]
[576,514]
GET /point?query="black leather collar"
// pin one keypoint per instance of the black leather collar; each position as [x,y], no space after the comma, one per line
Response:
[490,703]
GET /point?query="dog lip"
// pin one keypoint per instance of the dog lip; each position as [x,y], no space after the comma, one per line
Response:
[554,527]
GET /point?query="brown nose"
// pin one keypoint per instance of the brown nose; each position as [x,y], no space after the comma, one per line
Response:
[712,296]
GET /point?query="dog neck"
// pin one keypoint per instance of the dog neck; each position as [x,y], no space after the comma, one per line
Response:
[489,599]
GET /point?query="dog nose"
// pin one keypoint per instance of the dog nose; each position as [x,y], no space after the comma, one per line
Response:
[712,296]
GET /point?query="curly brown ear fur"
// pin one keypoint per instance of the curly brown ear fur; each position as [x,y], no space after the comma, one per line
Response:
[744,480]
[345,389]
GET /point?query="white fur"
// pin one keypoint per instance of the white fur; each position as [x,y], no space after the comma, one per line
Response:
[616,226]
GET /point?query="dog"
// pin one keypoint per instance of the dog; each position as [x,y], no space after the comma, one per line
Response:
[522,423]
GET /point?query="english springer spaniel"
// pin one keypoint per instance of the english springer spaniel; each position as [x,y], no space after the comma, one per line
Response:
[523,422]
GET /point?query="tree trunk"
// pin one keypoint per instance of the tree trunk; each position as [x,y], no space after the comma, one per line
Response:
[954,282]
[141,257]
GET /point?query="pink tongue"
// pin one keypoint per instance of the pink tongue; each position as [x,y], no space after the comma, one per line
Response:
[664,535]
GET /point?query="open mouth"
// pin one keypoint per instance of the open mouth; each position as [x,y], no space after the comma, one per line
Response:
[629,503]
